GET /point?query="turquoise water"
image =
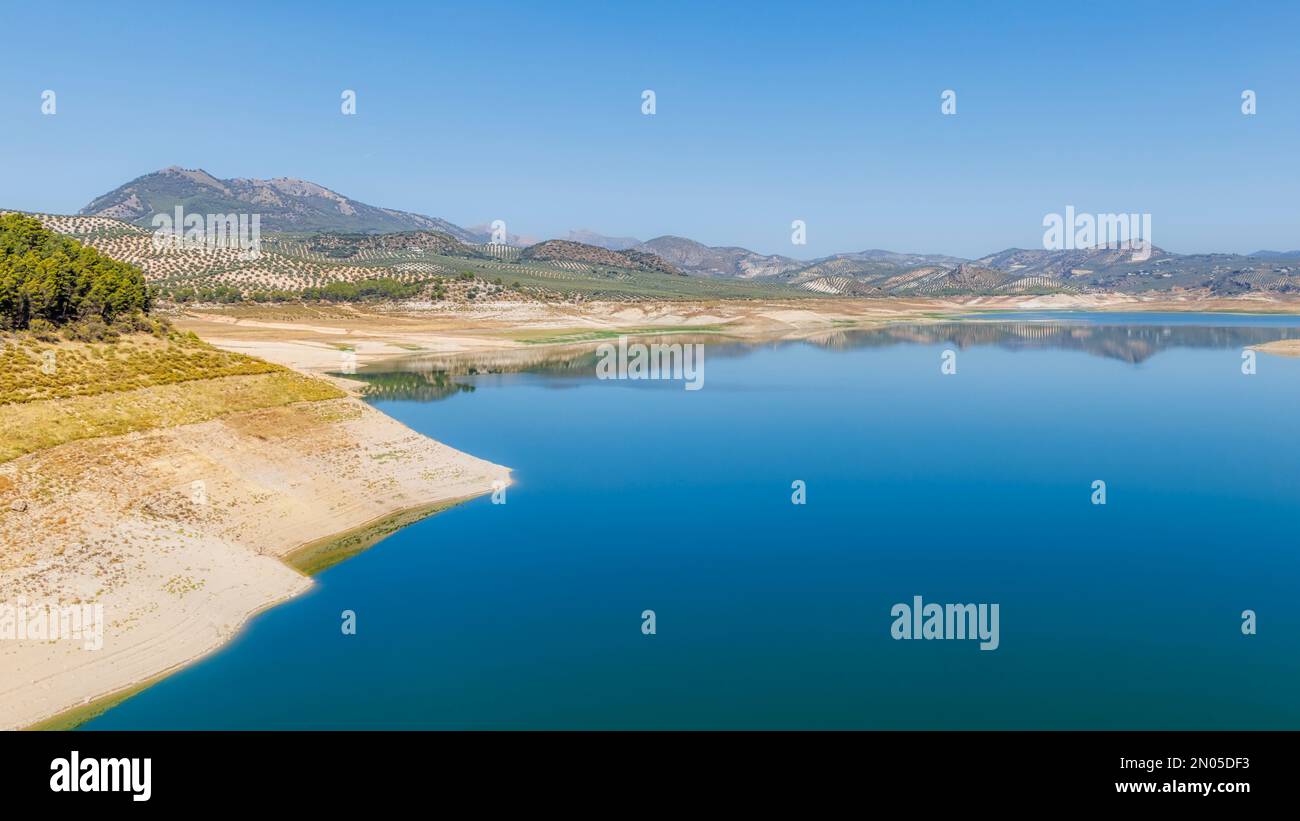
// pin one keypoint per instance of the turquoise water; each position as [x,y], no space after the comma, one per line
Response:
[974,487]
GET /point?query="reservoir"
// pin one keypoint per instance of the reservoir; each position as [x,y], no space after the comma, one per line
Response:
[975,486]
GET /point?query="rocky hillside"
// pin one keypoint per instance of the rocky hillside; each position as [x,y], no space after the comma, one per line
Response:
[1074,262]
[867,265]
[698,258]
[285,204]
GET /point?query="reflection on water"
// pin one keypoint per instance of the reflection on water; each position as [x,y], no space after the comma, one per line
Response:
[1132,339]
[1129,343]
[421,385]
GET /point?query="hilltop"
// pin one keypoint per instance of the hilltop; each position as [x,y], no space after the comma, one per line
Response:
[284,203]
[562,250]
[698,258]
[612,243]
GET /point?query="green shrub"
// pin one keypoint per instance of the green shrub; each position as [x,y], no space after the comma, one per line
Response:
[43,329]
[365,290]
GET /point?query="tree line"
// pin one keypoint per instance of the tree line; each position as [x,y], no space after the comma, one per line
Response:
[48,277]
[379,289]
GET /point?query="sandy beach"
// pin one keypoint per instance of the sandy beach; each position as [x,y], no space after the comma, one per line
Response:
[1282,347]
[181,534]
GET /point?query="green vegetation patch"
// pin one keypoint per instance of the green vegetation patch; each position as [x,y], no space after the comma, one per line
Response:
[47,279]
[75,717]
[322,554]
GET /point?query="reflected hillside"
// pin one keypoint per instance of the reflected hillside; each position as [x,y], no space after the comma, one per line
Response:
[422,386]
[430,378]
[439,377]
[1128,343]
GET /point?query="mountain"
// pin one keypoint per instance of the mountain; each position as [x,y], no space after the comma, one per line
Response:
[697,258]
[1021,270]
[562,250]
[601,241]
[933,280]
[867,265]
[1116,269]
[487,230]
[1276,254]
[285,205]
[1076,262]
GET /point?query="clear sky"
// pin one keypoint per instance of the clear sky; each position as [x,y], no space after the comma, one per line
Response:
[766,113]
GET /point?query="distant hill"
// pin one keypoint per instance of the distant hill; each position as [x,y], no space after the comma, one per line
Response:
[1062,263]
[285,204]
[868,265]
[562,250]
[742,263]
[332,230]
[601,241]
[1021,270]
[876,272]
[1277,254]
[698,258]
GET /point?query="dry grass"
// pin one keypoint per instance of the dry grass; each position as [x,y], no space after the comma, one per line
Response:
[57,392]
[32,370]
[34,426]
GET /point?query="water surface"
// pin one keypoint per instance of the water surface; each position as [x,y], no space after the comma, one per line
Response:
[974,487]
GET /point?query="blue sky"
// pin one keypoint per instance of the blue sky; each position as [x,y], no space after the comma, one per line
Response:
[829,113]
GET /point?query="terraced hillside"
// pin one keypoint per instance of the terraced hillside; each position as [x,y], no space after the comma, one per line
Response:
[447,269]
[173,268]
[933,280]
[289,264]
[331,246]
[581,254]
[1117,269]
[1020,271]
[867,266]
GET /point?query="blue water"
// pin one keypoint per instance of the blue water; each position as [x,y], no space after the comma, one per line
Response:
[974,487]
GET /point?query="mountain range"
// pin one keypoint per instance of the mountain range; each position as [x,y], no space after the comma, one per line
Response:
[294,206]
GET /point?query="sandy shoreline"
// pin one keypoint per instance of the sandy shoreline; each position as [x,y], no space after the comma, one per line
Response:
[181,534]
[1281,347]
[331,340]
